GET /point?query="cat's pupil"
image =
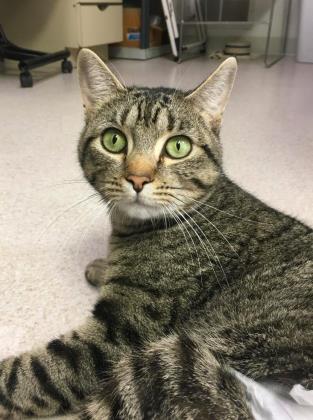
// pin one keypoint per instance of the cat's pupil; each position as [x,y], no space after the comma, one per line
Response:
[178,145]
[114,139]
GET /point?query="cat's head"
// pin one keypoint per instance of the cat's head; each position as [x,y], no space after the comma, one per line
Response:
[150,151]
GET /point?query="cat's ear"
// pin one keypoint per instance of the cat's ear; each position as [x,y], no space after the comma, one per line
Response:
[97,82]
[211,96]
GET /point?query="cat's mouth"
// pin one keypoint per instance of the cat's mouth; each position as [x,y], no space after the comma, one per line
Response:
[140,199]
[140,207]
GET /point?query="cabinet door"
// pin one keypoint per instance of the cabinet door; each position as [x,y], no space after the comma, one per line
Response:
[100,23]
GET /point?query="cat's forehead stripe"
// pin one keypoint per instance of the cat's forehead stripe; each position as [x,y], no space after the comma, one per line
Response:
[122,116]
[132,116]
[151,113]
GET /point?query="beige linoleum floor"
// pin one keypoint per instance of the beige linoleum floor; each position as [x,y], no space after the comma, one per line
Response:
[46,239]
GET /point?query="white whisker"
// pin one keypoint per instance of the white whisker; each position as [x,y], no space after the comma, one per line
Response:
[227,213]
[71,207]
[212,248]
[201,243]
[181,225]
[209,255]
[215,227]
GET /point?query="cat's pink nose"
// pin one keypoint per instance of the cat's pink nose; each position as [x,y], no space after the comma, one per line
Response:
[138,182]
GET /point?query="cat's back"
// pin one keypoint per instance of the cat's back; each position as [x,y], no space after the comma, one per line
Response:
[269,236]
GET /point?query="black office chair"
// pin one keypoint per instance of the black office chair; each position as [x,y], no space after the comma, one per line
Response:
[29,59]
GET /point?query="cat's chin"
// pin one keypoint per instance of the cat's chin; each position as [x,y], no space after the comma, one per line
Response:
[139,211]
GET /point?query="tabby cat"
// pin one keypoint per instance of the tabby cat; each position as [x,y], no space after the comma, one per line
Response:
[202,280]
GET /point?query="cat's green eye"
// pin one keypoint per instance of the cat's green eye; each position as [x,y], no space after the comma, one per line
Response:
[178,147]
[113,140]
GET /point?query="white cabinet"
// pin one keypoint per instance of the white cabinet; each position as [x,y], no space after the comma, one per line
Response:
[99,24]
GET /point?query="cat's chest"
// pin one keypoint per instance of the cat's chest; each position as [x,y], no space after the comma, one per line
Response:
[153,258]
[155,272]
[166,260]
[163,270]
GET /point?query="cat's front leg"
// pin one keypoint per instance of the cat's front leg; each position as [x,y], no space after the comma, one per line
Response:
[95,272]
[57,378]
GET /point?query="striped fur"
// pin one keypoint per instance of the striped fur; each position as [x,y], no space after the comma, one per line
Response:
[174,378]
[222,282]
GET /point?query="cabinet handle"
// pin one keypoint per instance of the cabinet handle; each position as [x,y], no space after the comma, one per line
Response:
[101,6]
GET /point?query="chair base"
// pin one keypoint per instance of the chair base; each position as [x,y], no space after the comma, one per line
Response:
[30,59]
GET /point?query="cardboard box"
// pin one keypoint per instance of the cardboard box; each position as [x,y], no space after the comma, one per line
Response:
[132,28]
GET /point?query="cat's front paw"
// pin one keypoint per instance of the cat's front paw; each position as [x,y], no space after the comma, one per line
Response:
[95,272]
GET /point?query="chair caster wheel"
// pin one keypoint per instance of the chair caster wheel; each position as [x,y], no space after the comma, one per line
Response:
[26,79]
[66,66]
